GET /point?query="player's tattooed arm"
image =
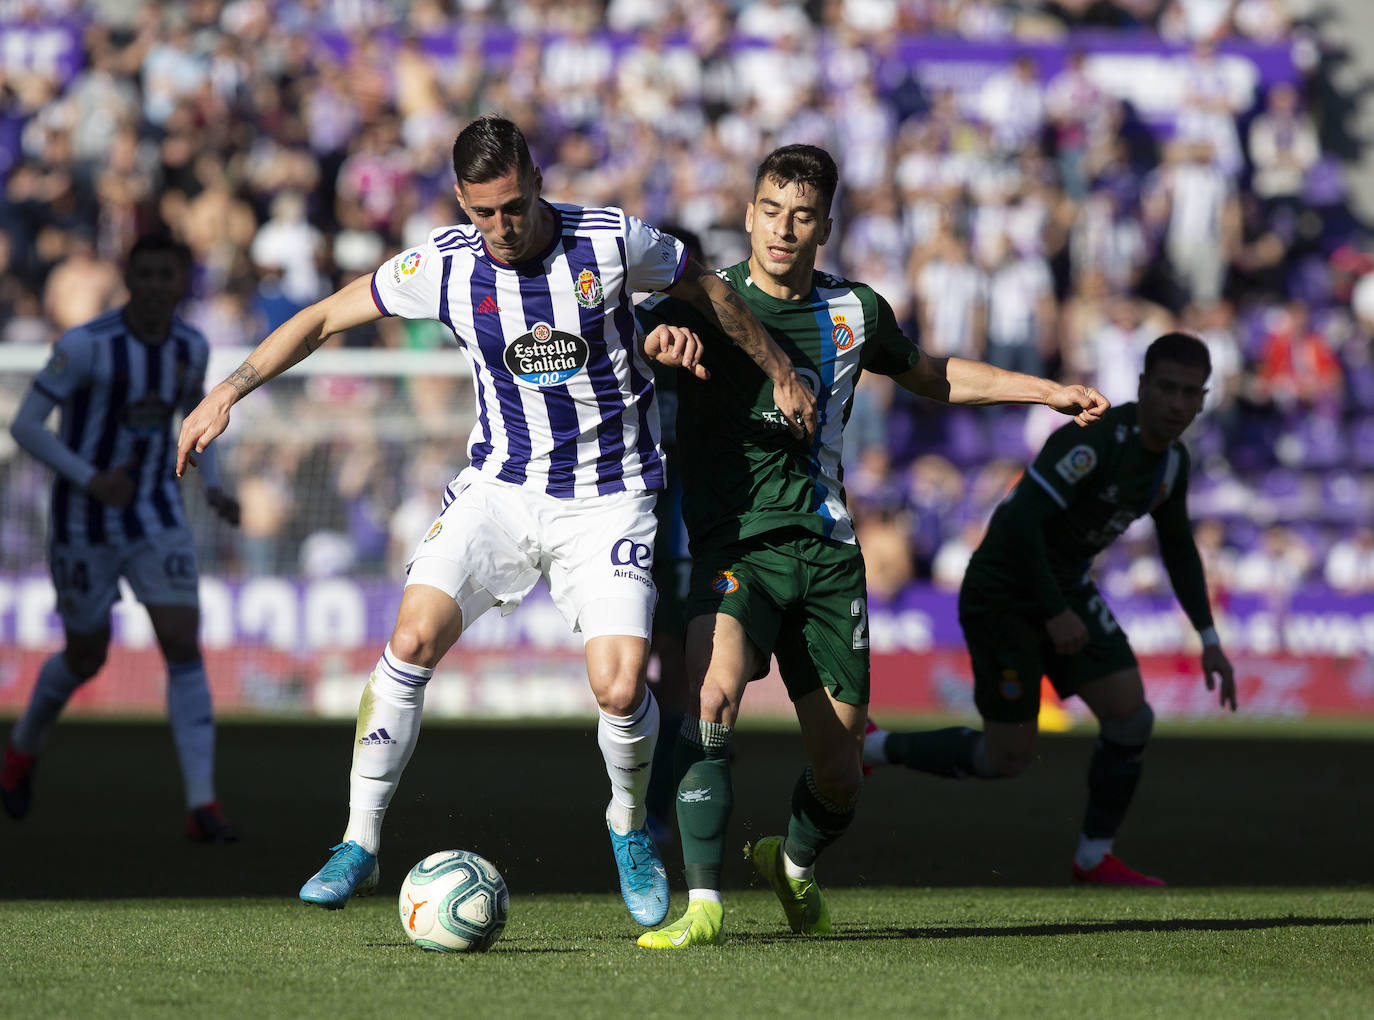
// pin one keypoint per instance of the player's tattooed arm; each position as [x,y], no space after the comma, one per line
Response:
[245,379]
[725,309]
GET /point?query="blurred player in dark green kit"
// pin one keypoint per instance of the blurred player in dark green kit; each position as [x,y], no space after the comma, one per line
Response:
[1028,605]
[775,567]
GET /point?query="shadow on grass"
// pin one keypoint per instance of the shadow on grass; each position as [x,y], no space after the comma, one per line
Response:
[1087,928]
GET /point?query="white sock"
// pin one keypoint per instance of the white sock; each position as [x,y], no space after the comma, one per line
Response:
[704,894]
[388,727]
[793,870]
[627,744]
[875,750]
[1091,851]
[51,692]
[192,718]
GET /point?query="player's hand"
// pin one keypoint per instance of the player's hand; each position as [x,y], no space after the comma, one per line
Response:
[1083,402]
[207,420]
[114,487]
[223,504]
[797,403]
[1067,632]
[1216,664]
[677,346]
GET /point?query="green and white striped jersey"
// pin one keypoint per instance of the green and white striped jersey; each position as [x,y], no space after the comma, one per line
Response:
[742,472]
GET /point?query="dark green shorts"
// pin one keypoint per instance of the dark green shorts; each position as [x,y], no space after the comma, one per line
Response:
[1011,651]
[798,596]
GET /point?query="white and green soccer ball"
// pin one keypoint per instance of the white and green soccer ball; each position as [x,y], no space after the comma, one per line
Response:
[454,901]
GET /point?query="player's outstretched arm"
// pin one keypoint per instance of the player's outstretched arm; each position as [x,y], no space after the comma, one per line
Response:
[717,300]
[960,381]
[288,344]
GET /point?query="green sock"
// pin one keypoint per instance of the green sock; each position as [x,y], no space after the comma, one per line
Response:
[704,799]
[952,752]
[816,821]
[1113,774]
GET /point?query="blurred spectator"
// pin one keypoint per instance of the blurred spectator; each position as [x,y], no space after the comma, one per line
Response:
[951,559]
[1020,311]
[951,298]
[1350,563]
[1277,566]
[1197,205]
[1012,103]
[1297,368]
[81,285]
[1283,148]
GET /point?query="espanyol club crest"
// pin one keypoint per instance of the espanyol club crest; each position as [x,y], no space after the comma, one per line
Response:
[841,334]
[588,289]
[725,583]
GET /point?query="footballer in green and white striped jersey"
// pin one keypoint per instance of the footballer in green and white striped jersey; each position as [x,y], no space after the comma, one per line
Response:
[754,477]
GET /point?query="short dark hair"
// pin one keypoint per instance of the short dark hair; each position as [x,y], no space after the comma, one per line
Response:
[807,165]
[159,242]
[488,148]
[1178,349]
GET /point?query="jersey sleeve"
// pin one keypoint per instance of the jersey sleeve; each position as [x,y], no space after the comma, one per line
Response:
[1070,455]
[409,284]
[890,352]
[1179,552]
[653,260]
[68,368]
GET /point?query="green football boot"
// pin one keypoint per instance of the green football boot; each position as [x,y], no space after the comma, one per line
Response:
[700,926]
[801,899]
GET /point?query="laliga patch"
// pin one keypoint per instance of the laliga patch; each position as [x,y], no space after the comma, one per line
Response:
[404,267]
[725,583]
[1075,464]
[588,289]
[546,356]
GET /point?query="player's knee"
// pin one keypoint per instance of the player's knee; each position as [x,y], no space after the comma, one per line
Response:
[414,644]
[85,660]
[1132,731]
[181,648]
[839,781]
[716,705]
[1009,764]
[618,694]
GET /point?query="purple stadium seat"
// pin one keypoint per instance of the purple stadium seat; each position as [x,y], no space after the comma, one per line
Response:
[965,442]
[1346,498]
[1323,442]
[1362,442]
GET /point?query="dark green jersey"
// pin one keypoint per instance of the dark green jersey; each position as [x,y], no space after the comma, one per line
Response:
[742,472]
[1084,489]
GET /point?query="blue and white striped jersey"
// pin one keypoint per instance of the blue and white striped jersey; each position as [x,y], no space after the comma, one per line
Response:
[117,397]
[565,401]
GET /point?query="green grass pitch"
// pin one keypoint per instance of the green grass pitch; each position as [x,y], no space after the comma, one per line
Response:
[950,898]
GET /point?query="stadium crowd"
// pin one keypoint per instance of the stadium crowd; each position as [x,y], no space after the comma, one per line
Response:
[1032,218]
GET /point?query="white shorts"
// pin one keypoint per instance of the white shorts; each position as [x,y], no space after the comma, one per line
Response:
[495,540]
[161,570]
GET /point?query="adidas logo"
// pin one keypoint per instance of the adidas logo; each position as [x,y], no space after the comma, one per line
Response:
[377,736]
[488,306]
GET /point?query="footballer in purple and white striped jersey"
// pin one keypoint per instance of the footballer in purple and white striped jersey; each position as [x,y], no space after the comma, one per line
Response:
[565,399]
[564,465]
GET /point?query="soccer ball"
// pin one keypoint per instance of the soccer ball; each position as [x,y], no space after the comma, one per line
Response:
[454,901]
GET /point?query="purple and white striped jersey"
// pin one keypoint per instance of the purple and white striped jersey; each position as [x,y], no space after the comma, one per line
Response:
[565,401]
[117,396]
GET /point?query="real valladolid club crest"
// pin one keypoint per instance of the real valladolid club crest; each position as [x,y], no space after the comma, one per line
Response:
[588,289]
